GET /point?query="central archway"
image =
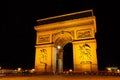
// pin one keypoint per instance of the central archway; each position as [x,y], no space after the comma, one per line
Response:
[62,41]
[68,57]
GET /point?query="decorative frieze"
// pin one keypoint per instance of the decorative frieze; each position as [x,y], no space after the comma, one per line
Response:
[44,38]
[68,33]
[84,33]
[63,25]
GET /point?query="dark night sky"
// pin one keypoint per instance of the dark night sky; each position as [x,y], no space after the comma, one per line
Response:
[19,17]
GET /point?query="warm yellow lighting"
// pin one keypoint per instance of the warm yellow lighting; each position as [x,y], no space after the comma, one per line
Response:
[58,47]
[32,70]
[70,70]
[0,67]
[52,37]
[118,71]
[109,69]
[26,70]
[19,69]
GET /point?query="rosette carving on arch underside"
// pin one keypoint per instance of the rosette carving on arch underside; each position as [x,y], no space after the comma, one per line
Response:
[62,38]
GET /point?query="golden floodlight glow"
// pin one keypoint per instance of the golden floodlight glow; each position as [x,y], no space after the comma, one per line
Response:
[19,69]
[109,69]
[54,33]
[118,71]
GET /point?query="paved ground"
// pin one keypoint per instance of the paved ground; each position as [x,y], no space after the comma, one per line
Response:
[60,77]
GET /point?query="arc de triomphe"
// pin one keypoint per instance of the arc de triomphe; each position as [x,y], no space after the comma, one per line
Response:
[66,42]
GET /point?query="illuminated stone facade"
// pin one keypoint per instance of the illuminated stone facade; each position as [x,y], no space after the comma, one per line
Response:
[53,33]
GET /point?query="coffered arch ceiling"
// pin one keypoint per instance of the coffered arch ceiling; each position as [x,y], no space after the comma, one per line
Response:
[62,39]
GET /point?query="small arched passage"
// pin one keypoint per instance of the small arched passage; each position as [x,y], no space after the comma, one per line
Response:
[68,57]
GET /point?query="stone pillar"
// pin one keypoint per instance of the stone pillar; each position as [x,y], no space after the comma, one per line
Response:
[60,61]
[60,65]
[54,60]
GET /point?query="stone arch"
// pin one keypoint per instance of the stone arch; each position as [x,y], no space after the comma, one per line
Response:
[62,38]
[77,28]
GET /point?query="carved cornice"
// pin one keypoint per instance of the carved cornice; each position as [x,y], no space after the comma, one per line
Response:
[65,24]
[65,17]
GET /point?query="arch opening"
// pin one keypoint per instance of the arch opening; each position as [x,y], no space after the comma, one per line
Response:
[68,57]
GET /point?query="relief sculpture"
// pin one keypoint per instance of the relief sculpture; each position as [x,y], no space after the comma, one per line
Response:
[43,56]
[84,33]
[43,38]
[85,52]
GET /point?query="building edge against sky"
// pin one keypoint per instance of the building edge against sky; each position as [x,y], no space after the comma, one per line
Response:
[54,33]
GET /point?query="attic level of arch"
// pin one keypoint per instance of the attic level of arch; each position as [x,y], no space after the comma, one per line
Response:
[67,30]
[65,17]
[67,24]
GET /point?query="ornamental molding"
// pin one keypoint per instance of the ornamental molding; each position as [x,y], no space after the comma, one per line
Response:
[66,24]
